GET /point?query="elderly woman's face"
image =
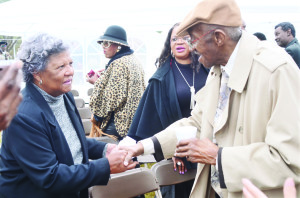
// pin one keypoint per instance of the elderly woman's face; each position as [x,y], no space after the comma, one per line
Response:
[58,75]
[110,51]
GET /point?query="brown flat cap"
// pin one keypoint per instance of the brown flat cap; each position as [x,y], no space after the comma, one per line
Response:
[218,12]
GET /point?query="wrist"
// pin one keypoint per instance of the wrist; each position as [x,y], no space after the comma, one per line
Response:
[140,148]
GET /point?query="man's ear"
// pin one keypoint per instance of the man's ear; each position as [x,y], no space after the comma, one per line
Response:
[289,32]
[219,37]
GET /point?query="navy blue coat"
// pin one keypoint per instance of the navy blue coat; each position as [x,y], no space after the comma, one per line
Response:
[159,106]
[35,157]
[160,101]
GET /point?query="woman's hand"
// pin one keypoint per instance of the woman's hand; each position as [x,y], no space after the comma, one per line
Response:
[180,164]
[92,79]
[251,191]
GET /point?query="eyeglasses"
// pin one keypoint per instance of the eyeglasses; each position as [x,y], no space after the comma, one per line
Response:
[3,45]
[185,38]
[106,44]
[193,43]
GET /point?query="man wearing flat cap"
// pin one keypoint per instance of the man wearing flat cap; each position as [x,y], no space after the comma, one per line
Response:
[247,114]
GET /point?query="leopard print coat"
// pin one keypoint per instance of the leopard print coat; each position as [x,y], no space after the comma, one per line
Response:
[119,90]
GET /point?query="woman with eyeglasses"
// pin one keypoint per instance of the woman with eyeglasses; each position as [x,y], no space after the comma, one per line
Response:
[119,88]
[169,97]
[44,152]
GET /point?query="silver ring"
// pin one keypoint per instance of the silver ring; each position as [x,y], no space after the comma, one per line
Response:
[179,163]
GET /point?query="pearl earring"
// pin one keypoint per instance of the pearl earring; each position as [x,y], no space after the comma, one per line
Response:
[119,48]
[41,82]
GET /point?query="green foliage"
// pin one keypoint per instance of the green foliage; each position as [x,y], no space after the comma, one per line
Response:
[2,1]
[13,43]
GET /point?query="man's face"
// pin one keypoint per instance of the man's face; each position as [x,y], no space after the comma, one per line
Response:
[281,37]
[205,46]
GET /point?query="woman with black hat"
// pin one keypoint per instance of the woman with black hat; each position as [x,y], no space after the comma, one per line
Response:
[118,90]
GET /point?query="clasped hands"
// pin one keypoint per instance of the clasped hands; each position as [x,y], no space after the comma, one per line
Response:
[195,150]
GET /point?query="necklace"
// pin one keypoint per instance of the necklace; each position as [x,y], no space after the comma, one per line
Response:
[192,88]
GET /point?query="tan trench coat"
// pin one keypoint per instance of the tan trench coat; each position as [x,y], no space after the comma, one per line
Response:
[260,133]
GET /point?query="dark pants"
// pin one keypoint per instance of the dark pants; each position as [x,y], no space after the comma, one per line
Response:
[111,129]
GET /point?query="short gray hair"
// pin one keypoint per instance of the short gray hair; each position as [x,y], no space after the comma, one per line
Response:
[35,53]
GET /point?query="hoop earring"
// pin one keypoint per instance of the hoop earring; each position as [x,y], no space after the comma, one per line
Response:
[41,82]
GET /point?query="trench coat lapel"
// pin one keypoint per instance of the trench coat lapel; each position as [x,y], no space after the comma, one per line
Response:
[240,73]
[212,94]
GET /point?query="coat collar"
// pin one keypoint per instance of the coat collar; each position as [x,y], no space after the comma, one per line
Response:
[292,42]
[242,65]
[238,77]
[162,70]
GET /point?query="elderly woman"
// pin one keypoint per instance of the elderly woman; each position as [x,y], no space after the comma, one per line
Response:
[118,90]
[44,151]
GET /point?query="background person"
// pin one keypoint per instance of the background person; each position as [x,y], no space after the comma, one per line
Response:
[244,135]
[167,98]
[45,152]
[285,36]
[117,92]
[4,55]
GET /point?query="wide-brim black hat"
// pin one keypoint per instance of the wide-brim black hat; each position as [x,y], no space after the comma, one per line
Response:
[3,42]
[114,34]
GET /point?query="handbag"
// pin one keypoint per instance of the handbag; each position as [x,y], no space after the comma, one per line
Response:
[96,130]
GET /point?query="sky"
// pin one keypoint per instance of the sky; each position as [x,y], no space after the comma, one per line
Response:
[85,20]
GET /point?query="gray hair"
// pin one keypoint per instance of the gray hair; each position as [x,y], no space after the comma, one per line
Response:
[36,51]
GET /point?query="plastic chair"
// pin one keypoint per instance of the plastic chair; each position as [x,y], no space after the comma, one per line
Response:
[85,112]
[79,102]
[90,91]
[75,92]
[87,126]
[165,174]
[128,184]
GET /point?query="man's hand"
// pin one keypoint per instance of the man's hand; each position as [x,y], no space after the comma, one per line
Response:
[132,151]
[197,151]
[116,158]
[10,96]
[110,148]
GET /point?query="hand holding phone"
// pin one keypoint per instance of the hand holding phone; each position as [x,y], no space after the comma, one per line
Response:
[91,73]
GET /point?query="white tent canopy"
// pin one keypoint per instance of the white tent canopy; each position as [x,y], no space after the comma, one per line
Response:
[146,23]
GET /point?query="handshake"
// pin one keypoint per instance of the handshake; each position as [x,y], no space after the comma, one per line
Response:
[120,156]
